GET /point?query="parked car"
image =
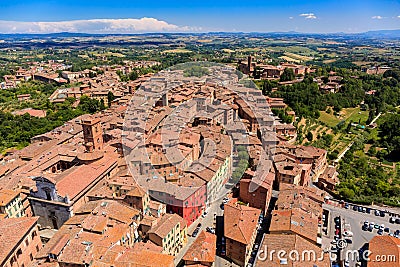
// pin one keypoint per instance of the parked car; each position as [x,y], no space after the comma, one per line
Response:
[348,233]
[204,214]
[346,205]
[369,210]
[223,252]
[382,214]
[370,228]
[397,221]
[195,232]
[355,208]
[380,232]
[210,230]
[376,212]
[360,209]
[392,220]
[349,240]
[387,230]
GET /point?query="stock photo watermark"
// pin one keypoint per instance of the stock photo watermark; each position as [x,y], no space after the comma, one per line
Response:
[311,255]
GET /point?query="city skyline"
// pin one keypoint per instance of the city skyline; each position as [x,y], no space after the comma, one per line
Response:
[47,16]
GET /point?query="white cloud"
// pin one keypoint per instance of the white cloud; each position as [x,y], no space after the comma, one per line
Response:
[94,26]
[398,17]
[377,17]
[308,15]
[290,17]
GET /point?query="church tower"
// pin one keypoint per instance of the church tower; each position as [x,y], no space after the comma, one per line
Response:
[92,134]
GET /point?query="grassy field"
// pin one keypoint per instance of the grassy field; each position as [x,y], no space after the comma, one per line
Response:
[289,59]
[226,50]
[178,50]
[298,57]
[348,114]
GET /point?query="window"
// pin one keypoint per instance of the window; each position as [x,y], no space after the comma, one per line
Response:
[26,242]
[31,257]
[19,252]
[34,234]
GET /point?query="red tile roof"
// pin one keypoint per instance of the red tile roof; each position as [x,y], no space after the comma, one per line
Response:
[240,221]
[12,232]
[202,249]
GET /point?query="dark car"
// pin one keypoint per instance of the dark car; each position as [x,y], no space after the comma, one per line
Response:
[223,252]
[221,206]
[382,214]
[392,220]
[198,225]
[346,205]
[370,228]
[380,232]
[364,227]
[355,208]
[360,209]
[398,221]
[195,232]
[387,229]
[369,210]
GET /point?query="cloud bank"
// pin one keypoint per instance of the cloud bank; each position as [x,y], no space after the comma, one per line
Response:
[377,17]
[94,26]
[308,15]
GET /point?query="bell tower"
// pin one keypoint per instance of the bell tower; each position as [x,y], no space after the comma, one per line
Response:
[92,134]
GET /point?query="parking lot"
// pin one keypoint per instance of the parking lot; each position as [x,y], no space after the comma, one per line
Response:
[352,220]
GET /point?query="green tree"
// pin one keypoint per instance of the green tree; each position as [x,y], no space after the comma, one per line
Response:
[287,75]
[309,136]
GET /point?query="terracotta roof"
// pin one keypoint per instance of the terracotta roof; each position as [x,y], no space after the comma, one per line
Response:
[295,221]
[12,232]
[384,246]
[240,221]
[202,249]
[81,177]
[6,196]
[32,112]
[166,224]
[144,258]
[290,243]
[111,209]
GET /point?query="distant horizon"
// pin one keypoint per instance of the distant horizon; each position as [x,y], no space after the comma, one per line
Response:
[200,32]
[130,17]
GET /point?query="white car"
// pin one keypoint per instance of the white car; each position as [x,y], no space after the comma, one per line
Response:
[382,227]
[204,214]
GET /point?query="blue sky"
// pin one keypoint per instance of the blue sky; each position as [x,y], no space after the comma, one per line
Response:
[203,15]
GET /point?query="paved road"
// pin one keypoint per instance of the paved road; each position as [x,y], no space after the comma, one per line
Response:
[353,220]
[336,161]
[377,117]
[208,221]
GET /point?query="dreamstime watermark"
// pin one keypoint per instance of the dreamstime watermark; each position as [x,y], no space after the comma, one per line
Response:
[311,255]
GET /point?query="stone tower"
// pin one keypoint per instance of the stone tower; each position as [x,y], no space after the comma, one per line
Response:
[92,134]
